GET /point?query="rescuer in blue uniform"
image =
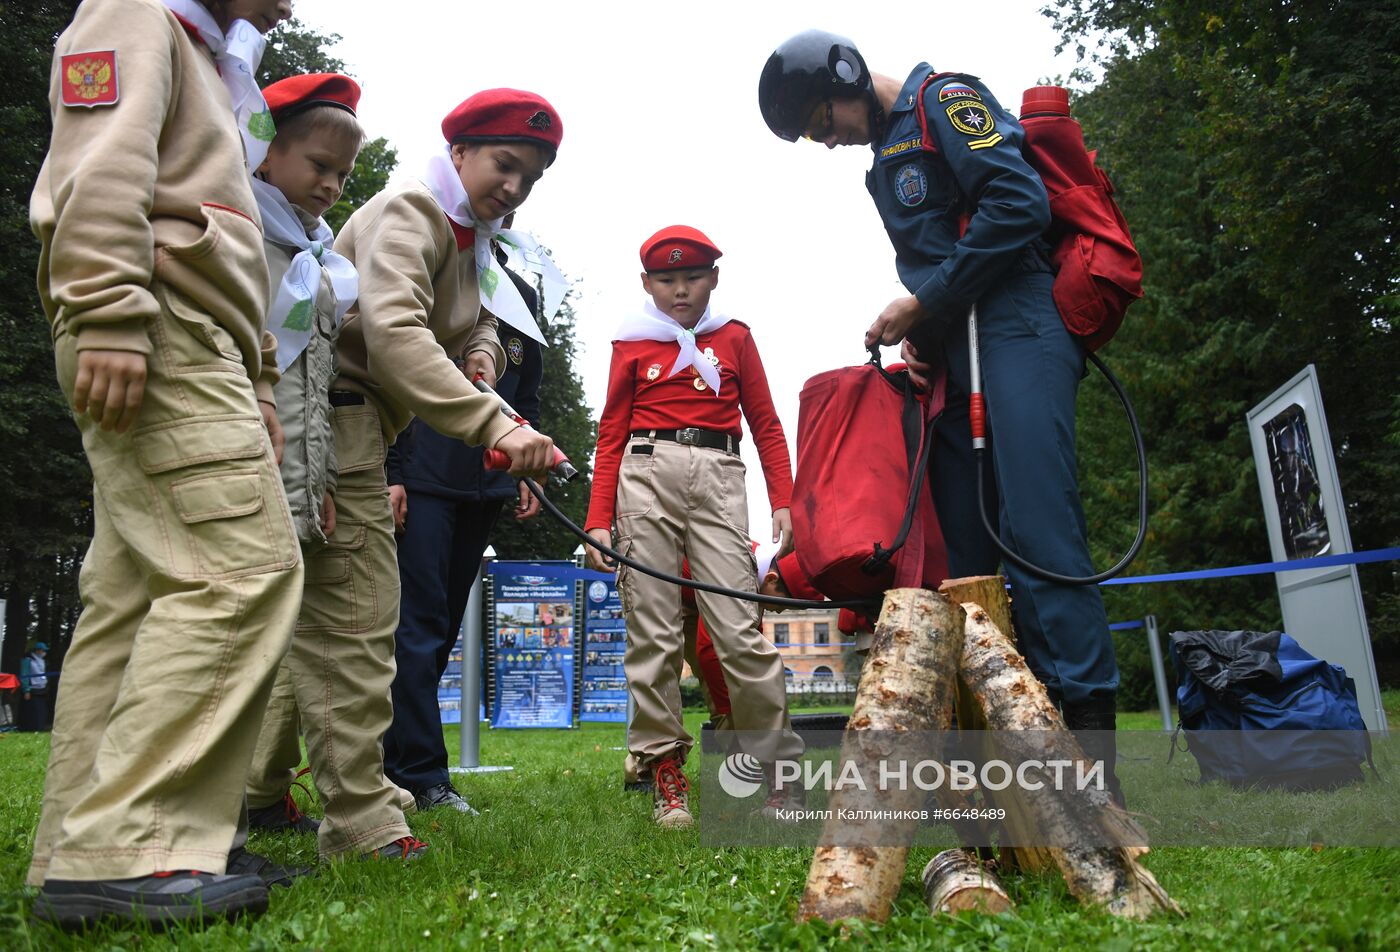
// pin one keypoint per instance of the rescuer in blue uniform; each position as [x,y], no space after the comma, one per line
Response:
[966,222]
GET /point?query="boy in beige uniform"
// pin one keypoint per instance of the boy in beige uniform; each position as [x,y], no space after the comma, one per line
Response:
[152,274]
[416,249]
[309,161]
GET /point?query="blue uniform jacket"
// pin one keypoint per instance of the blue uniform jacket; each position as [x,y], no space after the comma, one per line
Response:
[425,461]
[978,171]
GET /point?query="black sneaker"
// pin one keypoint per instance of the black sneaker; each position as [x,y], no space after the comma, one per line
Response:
[284,816]
[243,863]
[406,848]
[444,795]
[156,900]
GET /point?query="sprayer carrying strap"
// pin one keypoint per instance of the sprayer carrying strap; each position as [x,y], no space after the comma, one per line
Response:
[918,442]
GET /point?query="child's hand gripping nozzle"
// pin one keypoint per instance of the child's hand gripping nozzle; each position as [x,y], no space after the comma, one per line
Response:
[497,460]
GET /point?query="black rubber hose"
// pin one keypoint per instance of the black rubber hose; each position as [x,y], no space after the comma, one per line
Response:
[1127,559]
[866,606]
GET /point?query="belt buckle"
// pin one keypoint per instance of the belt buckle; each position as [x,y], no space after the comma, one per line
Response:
[690,436]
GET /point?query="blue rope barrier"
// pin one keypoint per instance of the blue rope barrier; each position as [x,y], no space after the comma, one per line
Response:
[1264,568]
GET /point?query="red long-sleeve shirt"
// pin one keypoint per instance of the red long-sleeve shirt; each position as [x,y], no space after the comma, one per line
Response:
[642,397]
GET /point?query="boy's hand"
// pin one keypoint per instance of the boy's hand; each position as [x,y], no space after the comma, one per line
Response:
[398,502]
[480,362]
[782,531]
[918,370]
[597,560]
[274,429]
[529,505]
[109,386]
[327,514]
[531,453]
[895,321]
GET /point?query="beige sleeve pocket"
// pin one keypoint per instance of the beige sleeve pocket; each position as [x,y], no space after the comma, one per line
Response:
[224,274]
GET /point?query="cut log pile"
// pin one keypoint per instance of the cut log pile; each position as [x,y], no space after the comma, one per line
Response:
[933,652]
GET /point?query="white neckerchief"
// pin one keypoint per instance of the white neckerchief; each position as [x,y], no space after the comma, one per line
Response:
[650,323]
[501,296]
[292,317]
[237,53]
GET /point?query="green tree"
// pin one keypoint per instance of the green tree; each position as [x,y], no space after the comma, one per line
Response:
[294,49]
[1255,154]
[564,416]
[45,511]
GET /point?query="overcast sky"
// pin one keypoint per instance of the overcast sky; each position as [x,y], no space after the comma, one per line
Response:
[661,126]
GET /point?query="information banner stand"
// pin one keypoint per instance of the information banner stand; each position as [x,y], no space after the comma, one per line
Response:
[605,640]
[533,647]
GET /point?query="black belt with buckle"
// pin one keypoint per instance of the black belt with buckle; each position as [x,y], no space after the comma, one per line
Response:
[694,436]
[344,398]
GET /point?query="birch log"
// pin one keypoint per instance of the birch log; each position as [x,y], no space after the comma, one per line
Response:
[907,685]
[1078,822]
[989,591]
[954,881]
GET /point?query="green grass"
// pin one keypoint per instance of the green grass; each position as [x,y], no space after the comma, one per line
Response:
[561,858]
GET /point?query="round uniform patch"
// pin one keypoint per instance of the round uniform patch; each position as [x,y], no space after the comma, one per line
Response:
[516,350]
[910,185]
[653,371]
[971,118]
[699,383]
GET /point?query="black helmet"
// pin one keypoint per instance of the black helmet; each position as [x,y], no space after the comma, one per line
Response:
[807,69]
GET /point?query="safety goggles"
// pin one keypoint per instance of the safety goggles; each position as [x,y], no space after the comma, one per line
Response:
[820,123]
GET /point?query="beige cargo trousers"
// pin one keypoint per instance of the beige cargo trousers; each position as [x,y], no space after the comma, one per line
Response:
[190,588]
[341,662]
[677,502]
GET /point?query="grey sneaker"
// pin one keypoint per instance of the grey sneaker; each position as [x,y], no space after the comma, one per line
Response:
[284,816]
[444,795]
[157,900]
[243,863]
[406,848]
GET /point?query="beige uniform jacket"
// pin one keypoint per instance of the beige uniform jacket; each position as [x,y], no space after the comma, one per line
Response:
[303,400]
[419,303]
[149,189]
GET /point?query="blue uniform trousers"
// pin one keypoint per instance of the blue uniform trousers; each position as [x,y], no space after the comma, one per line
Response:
[439,557]
[1031,368]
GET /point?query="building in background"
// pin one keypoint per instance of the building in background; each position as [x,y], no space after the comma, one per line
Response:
[809,642]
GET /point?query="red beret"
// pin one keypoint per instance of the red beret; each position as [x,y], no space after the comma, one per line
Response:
[296,93]
[505,115]
[678,246]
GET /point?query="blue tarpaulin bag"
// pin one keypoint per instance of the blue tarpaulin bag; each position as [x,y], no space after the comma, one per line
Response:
[1259,711]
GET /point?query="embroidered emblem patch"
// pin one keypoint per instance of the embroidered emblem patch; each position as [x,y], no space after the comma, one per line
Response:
[515,350]
[699,383]
[653,371]
[958,91]
[539,120]
[895,149]
[971,118]
[910,185]
[709,354]
[90,79]
[675,255]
